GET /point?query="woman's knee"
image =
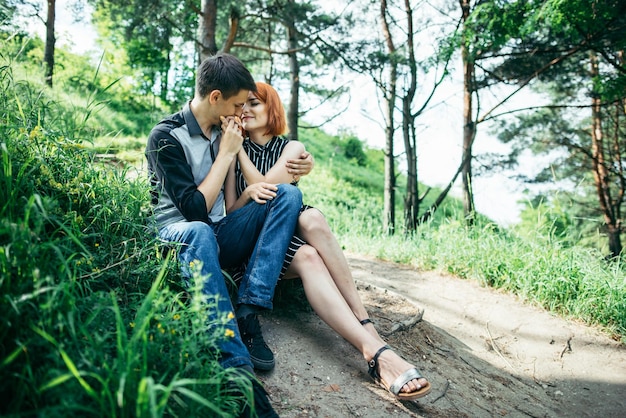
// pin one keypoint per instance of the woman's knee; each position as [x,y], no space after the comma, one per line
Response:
[306,257]
[313,219]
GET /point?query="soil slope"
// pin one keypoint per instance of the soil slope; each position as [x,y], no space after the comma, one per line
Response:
[487,354]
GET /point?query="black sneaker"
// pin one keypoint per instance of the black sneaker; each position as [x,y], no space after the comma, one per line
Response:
[262,406]
[260,354]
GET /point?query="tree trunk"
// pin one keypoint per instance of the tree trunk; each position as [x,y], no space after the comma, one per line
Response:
[601,174]
[389,211]
[207,29]
[469,127]
[615,241]
[164,90]
[411,200]
[48,55]
[294,74]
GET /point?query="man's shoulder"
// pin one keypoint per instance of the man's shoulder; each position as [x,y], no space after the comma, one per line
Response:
[170,123]
[165,129]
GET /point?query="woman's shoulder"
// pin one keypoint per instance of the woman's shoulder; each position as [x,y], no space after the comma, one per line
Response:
[280,141]
[293,144]
[280,144]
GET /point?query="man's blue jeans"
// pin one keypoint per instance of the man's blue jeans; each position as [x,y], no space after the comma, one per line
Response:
[261,232]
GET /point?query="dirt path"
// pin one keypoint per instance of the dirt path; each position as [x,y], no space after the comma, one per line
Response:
[486,354]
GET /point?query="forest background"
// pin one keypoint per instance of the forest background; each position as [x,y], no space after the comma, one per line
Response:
[93,321]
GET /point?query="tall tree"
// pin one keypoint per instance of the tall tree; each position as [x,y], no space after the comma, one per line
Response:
[610,200]
[469,127]
[48,56]
[407,79]
[389,93]
[293,43]
[411,197]
[437,66]
[587,44]
[498,39]
[207,29]
[32,9]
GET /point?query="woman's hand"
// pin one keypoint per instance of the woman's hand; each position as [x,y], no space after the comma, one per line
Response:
[261,192]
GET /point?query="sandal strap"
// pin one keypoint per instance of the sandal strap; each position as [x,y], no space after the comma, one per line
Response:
[403,379]
[373,363]
[366,321]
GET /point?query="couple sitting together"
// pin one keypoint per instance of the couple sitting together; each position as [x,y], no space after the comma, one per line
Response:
[223,183]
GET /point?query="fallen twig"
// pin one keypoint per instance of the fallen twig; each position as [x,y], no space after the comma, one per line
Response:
[408,324]
[568,347]
[495,348]
[443,393]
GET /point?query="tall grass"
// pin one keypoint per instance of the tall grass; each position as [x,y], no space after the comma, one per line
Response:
[92,322]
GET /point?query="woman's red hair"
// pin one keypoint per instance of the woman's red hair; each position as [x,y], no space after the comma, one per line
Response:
[276,120]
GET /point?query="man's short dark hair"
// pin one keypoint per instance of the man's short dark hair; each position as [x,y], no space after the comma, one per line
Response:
[225,73]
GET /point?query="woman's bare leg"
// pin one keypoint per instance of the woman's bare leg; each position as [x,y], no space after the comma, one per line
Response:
[330,305]
[313,228]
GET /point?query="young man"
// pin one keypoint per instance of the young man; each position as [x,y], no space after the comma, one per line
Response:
[189,154]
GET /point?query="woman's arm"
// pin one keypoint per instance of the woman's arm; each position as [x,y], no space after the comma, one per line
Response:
[259,192]
[278,173]
[230,187]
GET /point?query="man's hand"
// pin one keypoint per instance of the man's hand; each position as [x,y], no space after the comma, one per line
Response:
[300,166]
[261,192]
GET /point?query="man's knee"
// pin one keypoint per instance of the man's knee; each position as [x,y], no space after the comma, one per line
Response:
[200,229]
[289,193]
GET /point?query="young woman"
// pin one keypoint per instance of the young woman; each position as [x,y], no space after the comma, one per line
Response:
[314,254]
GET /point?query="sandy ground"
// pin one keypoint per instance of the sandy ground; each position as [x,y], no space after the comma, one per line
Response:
[486,354]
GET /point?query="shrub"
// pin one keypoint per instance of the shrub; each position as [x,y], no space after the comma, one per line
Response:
[92,323]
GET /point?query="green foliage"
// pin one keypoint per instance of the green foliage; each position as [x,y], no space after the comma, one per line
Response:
[354,151]
[493,24]
[89,101]
[7,11]
[151,34]
[92,321]
[565,219]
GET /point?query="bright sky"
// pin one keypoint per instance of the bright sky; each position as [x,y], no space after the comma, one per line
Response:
[440,134]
